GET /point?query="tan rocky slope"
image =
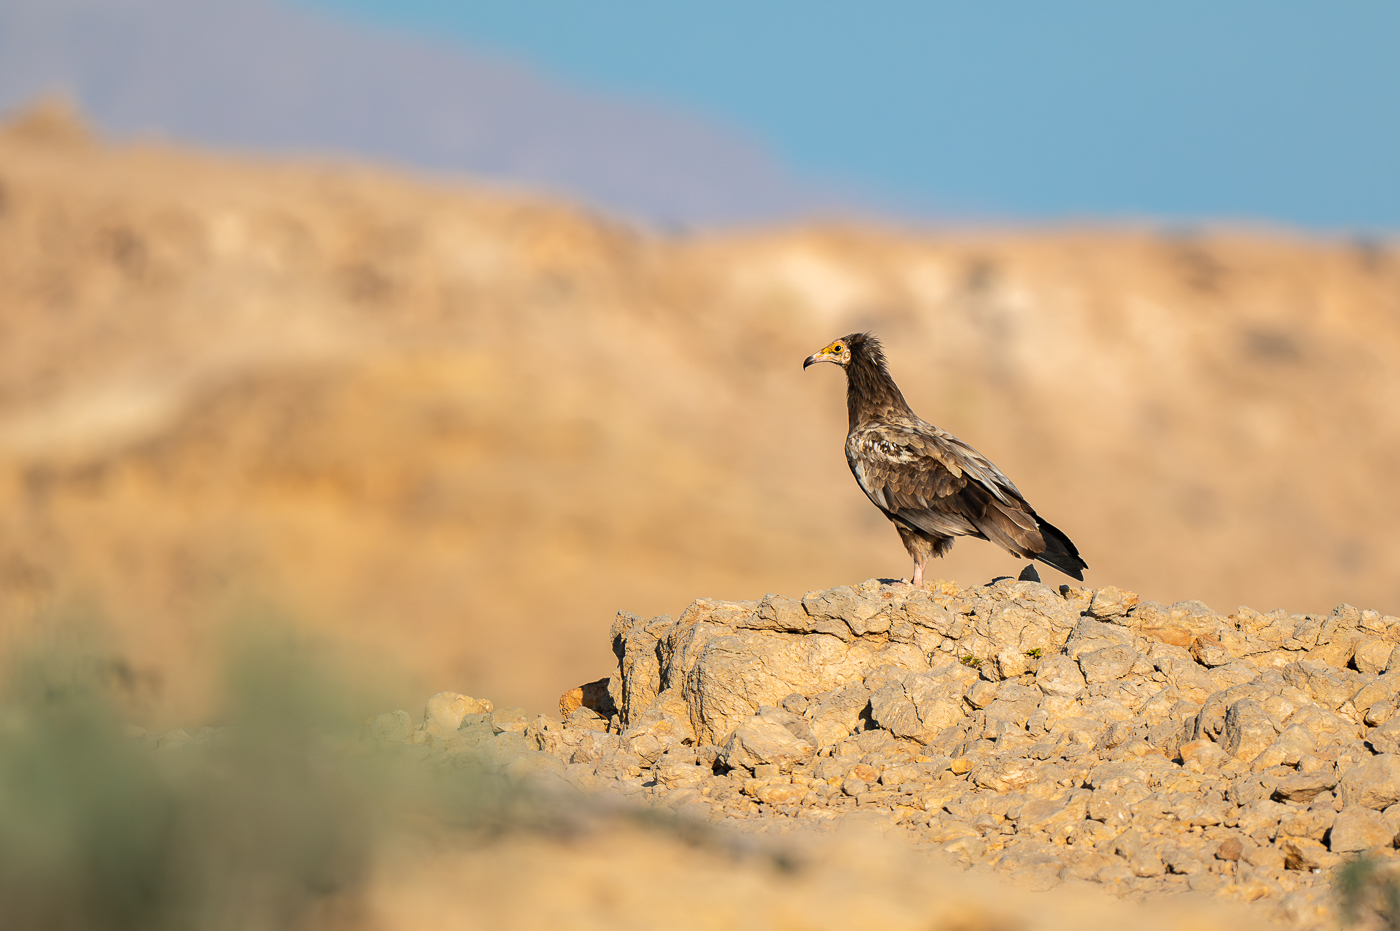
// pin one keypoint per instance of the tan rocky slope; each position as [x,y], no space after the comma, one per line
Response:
[1050,736]
[454,427]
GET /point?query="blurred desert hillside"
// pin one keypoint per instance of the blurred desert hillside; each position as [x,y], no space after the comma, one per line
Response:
[459,428]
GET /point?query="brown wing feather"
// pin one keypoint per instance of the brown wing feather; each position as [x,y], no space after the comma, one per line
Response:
[926,478]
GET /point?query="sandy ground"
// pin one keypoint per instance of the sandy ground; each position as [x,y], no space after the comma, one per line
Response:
[631,878]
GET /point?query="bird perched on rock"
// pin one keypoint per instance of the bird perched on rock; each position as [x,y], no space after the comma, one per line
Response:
[930,484]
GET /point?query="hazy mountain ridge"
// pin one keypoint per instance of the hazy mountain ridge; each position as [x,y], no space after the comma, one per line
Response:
[260,75]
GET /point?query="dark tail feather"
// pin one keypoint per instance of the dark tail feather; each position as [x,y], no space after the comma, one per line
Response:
[1060,551]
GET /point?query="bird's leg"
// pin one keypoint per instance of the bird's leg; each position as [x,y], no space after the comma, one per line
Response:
[919,547]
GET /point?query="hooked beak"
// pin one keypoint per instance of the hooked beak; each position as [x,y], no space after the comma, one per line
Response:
[816,357]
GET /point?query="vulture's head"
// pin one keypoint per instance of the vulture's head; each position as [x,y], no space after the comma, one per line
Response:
[843,350]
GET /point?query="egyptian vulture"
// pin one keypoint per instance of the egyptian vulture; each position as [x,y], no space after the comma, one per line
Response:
[930,484]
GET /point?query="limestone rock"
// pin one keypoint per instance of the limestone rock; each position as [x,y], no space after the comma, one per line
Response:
[1385,687]
[1090,635]
[1296,742]
[586,718]
[981,694]
[1374,784]
[843,607]
[592,695]
[1012,662]
[1230,849]
[1304,787]
[1177,625]
[762,740]
[1180,669]
[727,664]
[1059,675]
[893,710]
[776,612]
[1328,685]
[1107,663]
[1304,854]
[834,714]
[509,720]
[680,770]
[1313,823]
[1379,713]
[636,643]
[1372,655]
[1248,730]
[664,726]
[1386,738]
[1358,829]
[1209,651]
[1110,602]
[445,711]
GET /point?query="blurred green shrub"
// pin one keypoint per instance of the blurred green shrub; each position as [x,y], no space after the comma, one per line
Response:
[1368,892]
[255,825]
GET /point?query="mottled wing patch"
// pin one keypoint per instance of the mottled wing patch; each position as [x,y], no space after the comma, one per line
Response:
[928,479]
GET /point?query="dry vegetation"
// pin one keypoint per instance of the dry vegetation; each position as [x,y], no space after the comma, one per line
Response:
[459,429]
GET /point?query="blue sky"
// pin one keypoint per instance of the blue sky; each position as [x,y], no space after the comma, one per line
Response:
[1278,112]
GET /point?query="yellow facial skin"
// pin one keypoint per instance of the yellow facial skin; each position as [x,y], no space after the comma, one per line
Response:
[833,353]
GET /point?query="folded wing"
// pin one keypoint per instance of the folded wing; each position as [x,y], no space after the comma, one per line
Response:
[929,480]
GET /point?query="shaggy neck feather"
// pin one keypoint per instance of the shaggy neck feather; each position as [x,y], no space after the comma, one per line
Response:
[871,393]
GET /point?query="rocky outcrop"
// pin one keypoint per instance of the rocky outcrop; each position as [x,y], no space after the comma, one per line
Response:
[1010,663]
[1055,733]
[1048,734]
